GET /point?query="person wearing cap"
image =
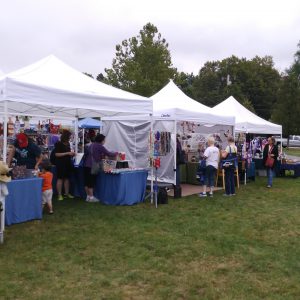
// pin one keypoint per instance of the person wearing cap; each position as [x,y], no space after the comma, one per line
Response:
[26,152]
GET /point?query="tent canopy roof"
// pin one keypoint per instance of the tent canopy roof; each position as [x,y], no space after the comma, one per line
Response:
[171,103]
[245,120]
[51,87]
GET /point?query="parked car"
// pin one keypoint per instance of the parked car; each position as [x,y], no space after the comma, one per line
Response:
[294,141]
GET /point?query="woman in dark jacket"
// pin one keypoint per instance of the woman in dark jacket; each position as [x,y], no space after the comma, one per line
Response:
[270,150]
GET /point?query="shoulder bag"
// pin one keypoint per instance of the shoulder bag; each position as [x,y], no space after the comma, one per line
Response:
[230,161]
[97,166]
[270,160]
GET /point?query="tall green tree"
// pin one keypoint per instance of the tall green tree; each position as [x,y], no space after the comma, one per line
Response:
[287,109]
[185,82]
[142,64]
[254,82]
[208,86]
[100,77]
[295,67]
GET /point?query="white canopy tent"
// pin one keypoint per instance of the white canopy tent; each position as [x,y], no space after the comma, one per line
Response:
[170,105]
[245,120]
[50,88]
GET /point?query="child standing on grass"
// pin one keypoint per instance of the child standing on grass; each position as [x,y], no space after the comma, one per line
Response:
[47,185]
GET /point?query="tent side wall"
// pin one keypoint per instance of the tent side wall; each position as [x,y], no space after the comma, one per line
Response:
[132,137]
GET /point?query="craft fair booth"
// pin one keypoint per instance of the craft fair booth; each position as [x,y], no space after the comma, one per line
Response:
[193,122]
[251,132]
[51,89]
[174,114]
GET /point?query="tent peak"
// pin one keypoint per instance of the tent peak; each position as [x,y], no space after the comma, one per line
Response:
[246,120]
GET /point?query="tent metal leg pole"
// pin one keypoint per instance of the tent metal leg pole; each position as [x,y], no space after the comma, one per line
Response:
[281,146]
[82,140]
[2,224]
[76,135]
[5,132]
[156,188]
[175,153]
[151,156]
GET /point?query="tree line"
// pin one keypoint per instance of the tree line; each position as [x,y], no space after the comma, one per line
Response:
[143,65]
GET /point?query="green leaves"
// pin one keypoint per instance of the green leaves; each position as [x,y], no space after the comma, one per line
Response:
[142,64]
[287,108]
[253,82]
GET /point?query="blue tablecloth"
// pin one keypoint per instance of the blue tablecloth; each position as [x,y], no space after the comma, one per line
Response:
[125,188]
[24,201]
[294,167]
[251,170]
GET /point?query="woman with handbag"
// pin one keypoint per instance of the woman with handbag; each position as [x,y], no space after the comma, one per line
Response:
[92,165]
[229,164]
[270,156]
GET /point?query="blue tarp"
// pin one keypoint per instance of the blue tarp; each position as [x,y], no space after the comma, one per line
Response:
[89,123]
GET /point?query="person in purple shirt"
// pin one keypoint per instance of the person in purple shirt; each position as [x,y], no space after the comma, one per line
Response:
[96,151]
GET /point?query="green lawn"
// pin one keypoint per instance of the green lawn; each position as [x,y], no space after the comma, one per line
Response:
[243,247]
[292,151]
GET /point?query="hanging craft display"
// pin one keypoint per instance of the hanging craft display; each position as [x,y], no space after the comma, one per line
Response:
[162,143]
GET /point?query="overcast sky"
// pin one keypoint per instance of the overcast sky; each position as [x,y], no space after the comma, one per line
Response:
[84,33]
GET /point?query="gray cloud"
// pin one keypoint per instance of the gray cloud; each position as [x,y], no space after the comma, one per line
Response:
[84,33]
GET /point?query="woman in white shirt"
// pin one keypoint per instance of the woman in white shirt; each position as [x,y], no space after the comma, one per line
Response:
[212,157]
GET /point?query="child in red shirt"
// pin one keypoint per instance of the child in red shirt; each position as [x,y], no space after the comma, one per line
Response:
[47,185]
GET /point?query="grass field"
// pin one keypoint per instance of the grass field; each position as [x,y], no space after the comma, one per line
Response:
[242,247]
[292,151]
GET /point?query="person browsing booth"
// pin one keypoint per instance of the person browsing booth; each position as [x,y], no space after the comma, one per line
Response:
[26,152]
[229,165]
[212,157]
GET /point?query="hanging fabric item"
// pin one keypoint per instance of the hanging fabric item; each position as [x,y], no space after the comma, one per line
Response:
[162,143]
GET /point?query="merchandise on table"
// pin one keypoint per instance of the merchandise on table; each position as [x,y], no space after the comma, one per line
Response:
[125,170]
[108,165]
